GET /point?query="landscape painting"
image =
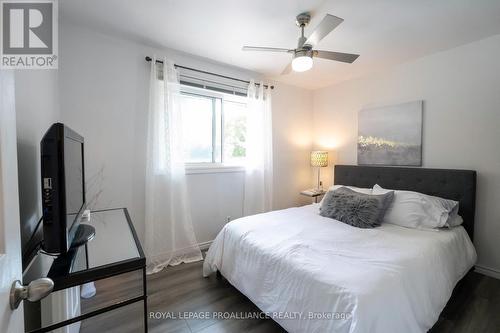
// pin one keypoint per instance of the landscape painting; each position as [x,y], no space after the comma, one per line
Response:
[391,135]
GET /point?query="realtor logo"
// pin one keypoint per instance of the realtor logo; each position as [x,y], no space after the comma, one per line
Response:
[29,34]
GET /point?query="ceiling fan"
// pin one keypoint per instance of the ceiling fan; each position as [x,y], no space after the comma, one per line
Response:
[304,53]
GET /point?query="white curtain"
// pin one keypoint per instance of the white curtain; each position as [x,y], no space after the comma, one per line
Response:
[170,239]
[259,151]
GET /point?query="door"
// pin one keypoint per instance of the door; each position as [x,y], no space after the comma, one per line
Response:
[10,237]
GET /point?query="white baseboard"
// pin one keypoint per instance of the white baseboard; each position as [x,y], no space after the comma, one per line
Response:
[488,271]
[205,245]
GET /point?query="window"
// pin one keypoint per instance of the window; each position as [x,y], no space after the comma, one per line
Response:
[214,127]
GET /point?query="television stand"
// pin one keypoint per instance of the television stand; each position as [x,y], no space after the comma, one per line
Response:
[114,253]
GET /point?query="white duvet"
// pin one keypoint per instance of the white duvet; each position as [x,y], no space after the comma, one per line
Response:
[315,274]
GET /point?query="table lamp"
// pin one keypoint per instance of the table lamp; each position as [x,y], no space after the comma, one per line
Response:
[319,159]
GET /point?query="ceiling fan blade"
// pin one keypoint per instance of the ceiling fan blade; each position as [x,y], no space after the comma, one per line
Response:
[287,69]
[337,56]
[326,26]
[265,49]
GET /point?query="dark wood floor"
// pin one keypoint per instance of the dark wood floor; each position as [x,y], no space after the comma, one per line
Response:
[474,306]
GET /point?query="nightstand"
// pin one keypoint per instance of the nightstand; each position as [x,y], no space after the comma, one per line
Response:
[316,194]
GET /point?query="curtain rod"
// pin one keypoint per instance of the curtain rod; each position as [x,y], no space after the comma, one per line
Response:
[210,73]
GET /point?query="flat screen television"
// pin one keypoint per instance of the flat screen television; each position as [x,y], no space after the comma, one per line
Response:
[63,186]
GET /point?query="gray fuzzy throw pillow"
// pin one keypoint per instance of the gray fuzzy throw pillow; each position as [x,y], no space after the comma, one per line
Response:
[354,208]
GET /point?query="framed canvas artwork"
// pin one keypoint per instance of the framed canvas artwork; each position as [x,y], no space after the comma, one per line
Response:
[391,135]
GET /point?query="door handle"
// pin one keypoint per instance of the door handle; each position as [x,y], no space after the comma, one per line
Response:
[33,292]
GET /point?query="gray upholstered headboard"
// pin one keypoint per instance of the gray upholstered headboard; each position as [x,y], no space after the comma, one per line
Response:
[459,185]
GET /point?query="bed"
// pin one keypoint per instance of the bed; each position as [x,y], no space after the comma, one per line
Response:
[314,274]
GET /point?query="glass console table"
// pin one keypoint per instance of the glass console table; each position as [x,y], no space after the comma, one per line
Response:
[114,251]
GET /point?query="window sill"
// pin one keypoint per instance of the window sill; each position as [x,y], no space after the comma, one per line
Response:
[193,169]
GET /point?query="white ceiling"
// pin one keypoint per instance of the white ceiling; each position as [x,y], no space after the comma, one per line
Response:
[383,32]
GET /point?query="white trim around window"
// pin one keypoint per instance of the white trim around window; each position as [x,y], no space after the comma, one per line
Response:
[209,167]
[200,168]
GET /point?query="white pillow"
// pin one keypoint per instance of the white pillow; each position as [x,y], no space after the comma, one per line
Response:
[417,210]
[454,221]
[357,189]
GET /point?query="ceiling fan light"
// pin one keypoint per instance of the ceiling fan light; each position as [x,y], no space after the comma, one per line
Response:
[302,63]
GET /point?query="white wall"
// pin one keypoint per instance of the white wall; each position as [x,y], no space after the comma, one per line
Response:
[461,92]
[292,141]
[37,107]
[103,93]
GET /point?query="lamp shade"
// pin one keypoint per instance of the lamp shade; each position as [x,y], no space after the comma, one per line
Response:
[319,158]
